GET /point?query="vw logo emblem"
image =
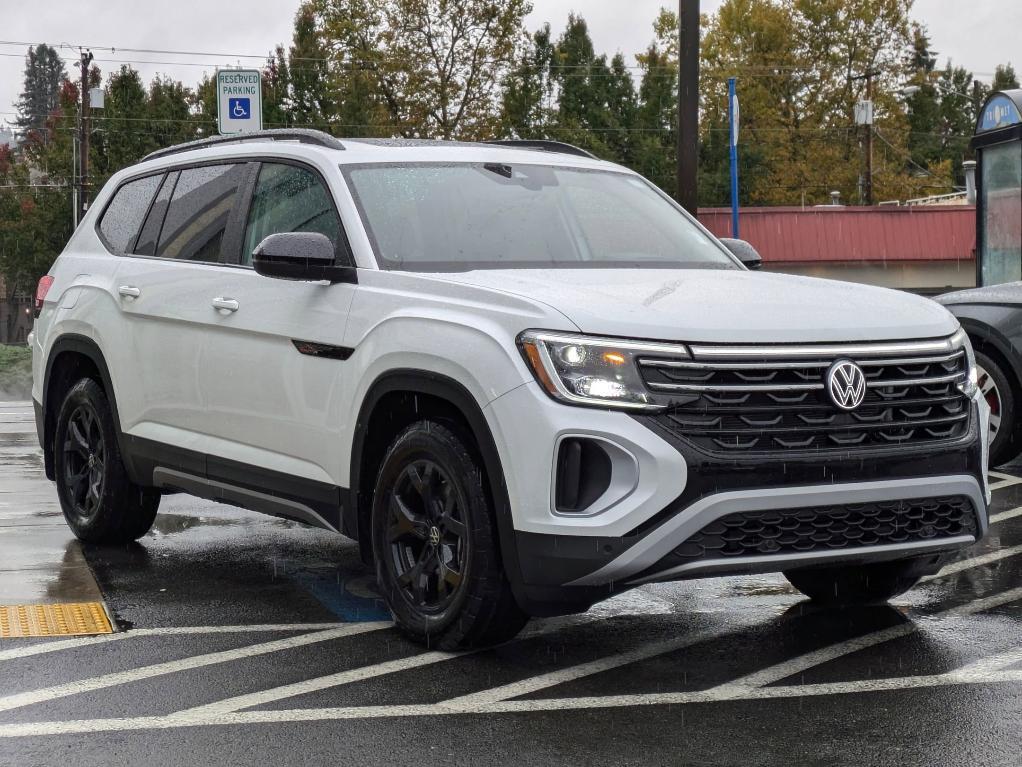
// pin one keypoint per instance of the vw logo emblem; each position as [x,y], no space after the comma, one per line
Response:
[846,384]
[434,536]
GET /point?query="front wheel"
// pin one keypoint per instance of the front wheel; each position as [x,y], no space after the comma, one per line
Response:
[100,502]
[856,584]
[435,543]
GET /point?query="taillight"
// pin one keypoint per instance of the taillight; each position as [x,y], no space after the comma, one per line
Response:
[45,282]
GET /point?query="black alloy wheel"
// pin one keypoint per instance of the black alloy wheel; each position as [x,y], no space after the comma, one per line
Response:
[426,532]
[100,502]
[84,464]
[435,545]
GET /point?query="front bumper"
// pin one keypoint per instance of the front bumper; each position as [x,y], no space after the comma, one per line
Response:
[566,564]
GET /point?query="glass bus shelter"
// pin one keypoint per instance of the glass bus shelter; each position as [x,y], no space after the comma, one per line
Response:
[998,146]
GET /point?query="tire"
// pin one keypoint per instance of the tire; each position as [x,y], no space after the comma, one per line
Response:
[434,537]
[857,584]
[996,388]
[100,503]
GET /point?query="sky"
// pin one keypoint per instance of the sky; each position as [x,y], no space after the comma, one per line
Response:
[977,35]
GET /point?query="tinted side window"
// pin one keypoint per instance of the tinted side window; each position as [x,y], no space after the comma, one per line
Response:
[150,234]
[200,211]
[289,198]
[123,216]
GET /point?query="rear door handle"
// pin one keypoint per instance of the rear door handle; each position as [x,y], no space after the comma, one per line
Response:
[129,291]
[225,304]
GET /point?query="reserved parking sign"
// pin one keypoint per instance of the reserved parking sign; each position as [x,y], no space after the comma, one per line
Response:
[239,99]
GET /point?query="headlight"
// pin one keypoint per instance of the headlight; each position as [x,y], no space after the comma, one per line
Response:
[599,372]
[960,340]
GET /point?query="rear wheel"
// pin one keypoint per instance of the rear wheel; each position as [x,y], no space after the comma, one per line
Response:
[996,389]
[857,584]
[100,503]
[435,543]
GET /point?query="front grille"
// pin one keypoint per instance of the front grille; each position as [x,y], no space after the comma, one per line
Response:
[736,401]
[831,528]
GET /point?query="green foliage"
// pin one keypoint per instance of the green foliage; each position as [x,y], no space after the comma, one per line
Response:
[528,89]
[435,67]
[15,371]
[469,69]
[1005,78]
[44,71]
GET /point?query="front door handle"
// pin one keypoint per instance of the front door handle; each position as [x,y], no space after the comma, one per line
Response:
[129,291]
[225,304]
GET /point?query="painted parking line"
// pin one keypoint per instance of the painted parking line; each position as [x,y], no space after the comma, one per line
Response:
[972,674]
[572,673]
[72,644]
[805,662]
[1004,516]
[185,664]
[315,685]
[286,716]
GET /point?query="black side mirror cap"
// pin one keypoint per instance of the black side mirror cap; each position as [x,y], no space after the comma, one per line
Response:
[305,256]
[744,252]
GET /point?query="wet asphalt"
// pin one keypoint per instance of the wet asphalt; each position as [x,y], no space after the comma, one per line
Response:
[244,639]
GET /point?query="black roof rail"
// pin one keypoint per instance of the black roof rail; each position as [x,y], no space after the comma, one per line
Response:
[301,135]
[544,146]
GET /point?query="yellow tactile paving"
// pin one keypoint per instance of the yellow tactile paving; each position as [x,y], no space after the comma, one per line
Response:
[73,619]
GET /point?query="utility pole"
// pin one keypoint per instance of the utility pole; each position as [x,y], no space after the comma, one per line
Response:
[688,104]
[85,58]
[864,116]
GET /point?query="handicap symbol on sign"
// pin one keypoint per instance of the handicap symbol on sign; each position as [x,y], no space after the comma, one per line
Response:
[239,109]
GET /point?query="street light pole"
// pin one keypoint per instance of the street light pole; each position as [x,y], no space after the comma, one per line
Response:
[688,104]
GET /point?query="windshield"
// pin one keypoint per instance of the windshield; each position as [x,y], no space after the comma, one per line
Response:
[459,217]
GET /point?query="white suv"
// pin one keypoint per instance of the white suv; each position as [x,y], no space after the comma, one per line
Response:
[521,378]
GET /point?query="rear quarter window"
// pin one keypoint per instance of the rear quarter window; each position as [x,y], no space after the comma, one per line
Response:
[123,216]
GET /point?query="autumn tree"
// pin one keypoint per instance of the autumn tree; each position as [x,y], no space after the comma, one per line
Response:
[436,65]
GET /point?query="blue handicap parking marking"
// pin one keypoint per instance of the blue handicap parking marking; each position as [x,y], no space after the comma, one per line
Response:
[239,109]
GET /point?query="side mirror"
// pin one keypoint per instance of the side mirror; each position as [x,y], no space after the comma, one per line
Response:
[307,256]
[744,252]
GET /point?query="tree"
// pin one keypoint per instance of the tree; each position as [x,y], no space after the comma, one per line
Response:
[123,136]
[1005,78]
[35,196]
[169,113]
[758,42]
[277,103]
[957,118]
[655,144]
[528,89]
[310,101]
[583,85]
[436,65]
[44,73]
[924,104]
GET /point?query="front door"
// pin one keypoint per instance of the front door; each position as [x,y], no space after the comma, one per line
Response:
[271,404]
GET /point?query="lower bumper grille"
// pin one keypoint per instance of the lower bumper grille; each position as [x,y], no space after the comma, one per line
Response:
[832,528]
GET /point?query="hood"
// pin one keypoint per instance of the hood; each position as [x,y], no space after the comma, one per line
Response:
[721,306]
[1008,293]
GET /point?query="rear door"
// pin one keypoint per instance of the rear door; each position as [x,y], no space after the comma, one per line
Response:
[271,403]
[166,284]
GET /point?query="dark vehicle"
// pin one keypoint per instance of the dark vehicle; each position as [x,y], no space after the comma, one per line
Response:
[992,316]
